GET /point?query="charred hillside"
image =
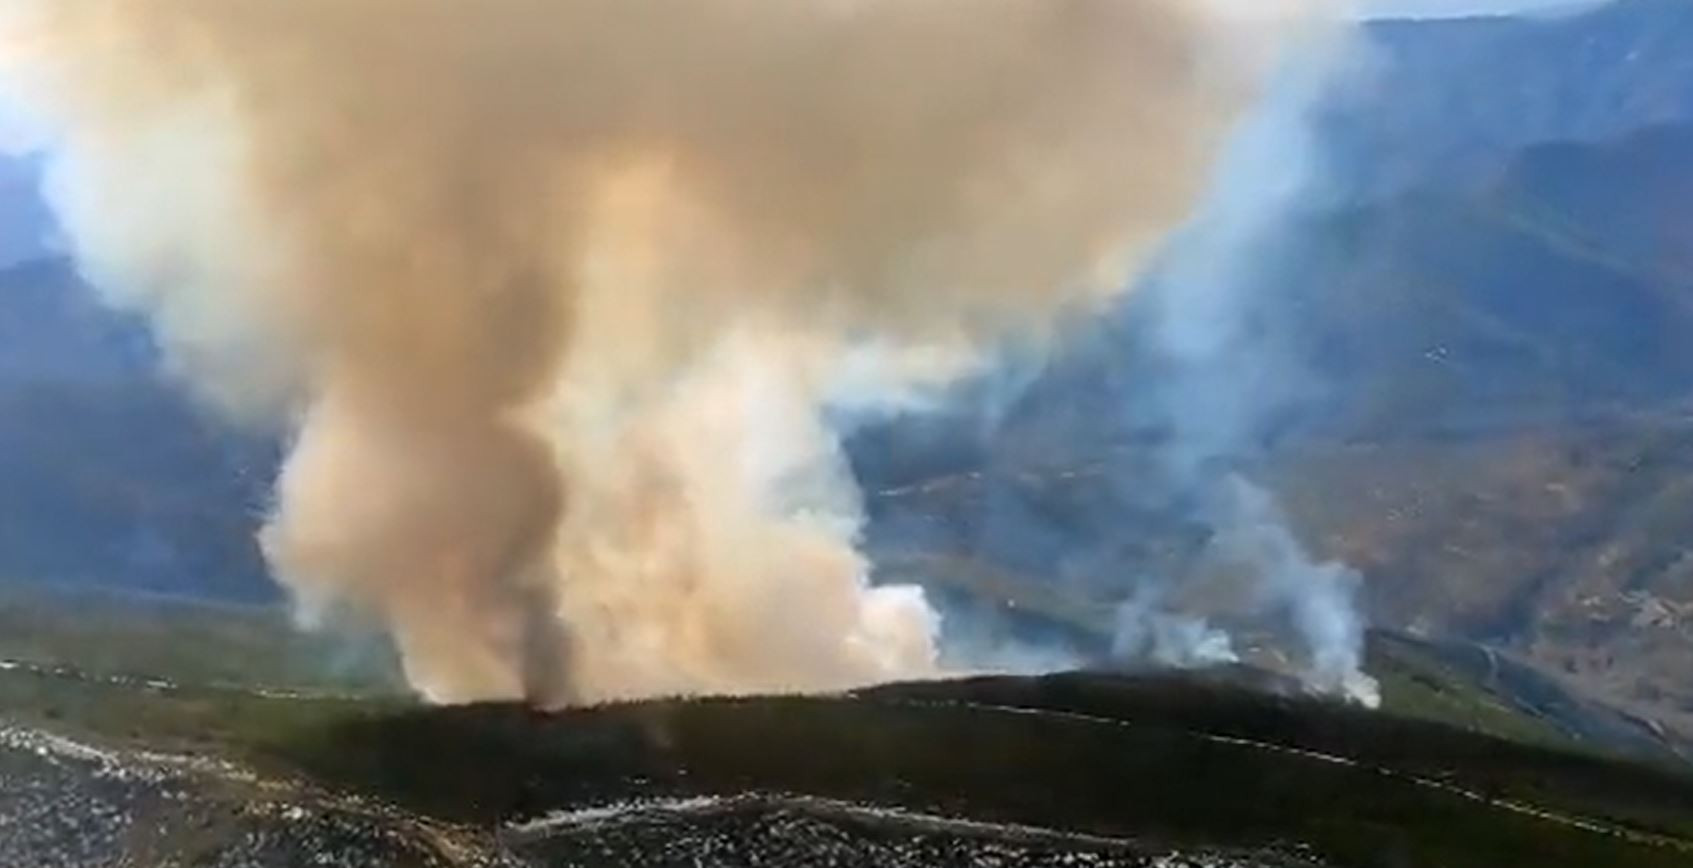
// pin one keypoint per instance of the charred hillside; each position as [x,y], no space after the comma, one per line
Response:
[1107,770]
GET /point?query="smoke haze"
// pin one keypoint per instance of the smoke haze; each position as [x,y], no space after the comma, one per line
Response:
[554,293]
[1227,374]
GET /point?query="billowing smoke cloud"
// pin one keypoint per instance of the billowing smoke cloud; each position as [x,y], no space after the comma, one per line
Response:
[553,292]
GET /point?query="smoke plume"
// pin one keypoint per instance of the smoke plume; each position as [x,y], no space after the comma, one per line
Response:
[553,293]
[1228,374]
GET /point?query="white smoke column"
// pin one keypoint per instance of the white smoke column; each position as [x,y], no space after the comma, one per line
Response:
[553,291]
[1318,598]
[1228,379]
[1147,632]
[713,546]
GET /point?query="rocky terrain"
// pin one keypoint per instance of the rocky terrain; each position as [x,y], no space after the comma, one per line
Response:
[64,804]
[1479,394]
[67,805]
[1474,763]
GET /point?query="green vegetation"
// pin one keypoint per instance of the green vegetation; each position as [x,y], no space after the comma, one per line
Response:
[1166,760]
[1421,685]
[202,721]
[119,635]
[1477,761]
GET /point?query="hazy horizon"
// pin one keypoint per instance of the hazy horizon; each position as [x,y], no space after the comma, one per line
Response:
[1460,8]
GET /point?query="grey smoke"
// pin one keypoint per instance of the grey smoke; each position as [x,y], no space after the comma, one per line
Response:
[1127,474]
[1147,631]
[1229,373]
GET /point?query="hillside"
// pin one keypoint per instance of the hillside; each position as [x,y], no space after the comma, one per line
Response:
[1469,378]
[1079,769]
[1451,102]
[1480,400]
[108,474]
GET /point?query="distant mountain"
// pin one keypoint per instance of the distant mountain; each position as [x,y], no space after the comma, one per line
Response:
[1450,102]
[26,226]
[1469,374]
[1557,294]
[108,475]
[1559,291]
[1470,362]
[53,329]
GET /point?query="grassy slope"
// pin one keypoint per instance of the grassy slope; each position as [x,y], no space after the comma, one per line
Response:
[1146,757]
[119,634]
[1174,761]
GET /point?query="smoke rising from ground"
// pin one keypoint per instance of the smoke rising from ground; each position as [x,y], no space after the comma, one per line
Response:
[1227,374]
[553,292]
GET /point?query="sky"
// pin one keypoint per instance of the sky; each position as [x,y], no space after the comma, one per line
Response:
[1456,8]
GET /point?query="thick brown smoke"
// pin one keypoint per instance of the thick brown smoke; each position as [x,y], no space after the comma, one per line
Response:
[553,290]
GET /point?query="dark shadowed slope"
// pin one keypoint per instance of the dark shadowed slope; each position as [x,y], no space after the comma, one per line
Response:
[1083,769]
[108,475]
